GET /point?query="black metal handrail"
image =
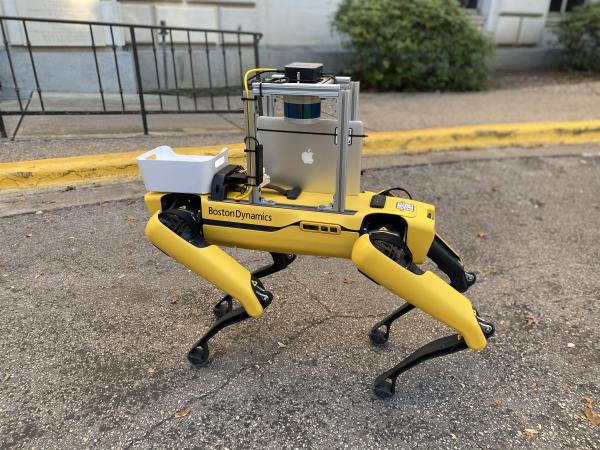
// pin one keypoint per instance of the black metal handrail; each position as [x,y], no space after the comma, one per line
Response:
[214,85]
[121,24]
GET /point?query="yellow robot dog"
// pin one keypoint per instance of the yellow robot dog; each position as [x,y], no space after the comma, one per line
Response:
[385,236]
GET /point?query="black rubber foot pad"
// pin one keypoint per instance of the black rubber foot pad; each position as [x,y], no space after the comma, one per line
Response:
[377,337]
[198,356]
[384,390]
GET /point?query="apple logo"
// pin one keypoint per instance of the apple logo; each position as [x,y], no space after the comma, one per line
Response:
[307,157]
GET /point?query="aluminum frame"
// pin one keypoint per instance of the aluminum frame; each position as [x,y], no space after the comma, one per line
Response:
[344,91]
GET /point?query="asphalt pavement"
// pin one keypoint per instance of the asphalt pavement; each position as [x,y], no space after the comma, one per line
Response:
[95,324]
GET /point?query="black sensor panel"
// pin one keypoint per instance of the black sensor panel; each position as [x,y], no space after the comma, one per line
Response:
[308,72]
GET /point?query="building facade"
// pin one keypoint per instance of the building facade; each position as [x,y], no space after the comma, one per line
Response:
[292,30]
[522,30]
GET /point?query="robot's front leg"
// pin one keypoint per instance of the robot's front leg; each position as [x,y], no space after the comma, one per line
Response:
[379,336]
[384,257]
[280,262]
[448,261]
[178,234]
[385,384]
[198,354]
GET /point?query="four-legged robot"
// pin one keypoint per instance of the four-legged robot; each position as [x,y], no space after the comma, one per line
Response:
[385,236]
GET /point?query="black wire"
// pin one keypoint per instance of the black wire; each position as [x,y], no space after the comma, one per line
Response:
[331,76]
[314,133]
[387,191]
[258,74]
[253,138]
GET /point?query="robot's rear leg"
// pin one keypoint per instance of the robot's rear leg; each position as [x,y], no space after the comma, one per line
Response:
[280,262]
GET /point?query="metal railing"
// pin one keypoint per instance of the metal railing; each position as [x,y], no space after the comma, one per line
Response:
[117,68]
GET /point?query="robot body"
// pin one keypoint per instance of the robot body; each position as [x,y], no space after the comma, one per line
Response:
[386,237]
[289,231]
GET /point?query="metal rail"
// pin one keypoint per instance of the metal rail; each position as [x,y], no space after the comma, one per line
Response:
[206,63]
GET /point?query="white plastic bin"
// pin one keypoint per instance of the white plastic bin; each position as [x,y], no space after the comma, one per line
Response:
[164,170]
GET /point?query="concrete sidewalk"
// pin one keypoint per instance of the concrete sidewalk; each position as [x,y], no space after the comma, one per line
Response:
[79,135]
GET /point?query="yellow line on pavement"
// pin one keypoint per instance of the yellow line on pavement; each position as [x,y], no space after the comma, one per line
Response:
[89,169]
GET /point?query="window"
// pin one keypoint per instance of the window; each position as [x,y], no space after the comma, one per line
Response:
[563,6]
[470,4]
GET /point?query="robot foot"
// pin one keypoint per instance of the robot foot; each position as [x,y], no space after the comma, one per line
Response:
[385,384]
[378,335]
[280,262]
[198,355]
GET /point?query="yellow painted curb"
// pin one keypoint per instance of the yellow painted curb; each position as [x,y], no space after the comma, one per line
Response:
[483,136]
[89,169]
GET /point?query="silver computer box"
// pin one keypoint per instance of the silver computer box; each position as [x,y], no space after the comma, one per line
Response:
[301,148]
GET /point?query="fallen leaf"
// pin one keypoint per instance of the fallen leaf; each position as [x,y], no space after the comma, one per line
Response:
[183,412]
[173,299]
[565,386]
[531,320]
[481,235]
[195,312]
[498,402]
[281,344]
[348,281]
[3,264]
[589,412]
[131,218]
[151,371]
[530,432]
[534,386]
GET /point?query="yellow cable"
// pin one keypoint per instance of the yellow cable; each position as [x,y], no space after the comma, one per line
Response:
[242,195]
[258,69]
[247,89]
[248,110]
